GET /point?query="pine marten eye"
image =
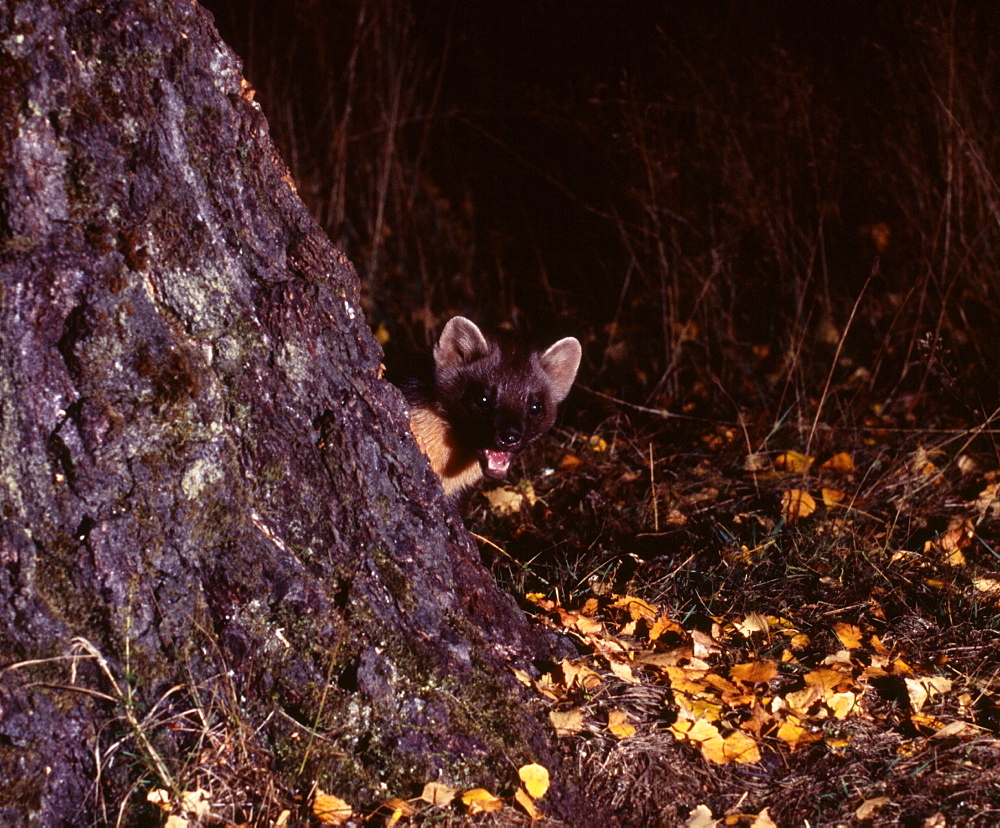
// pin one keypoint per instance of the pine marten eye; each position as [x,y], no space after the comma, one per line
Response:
[535,408]
[478,397]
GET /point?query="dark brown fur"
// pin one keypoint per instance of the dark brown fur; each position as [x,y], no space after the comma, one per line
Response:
[486,400]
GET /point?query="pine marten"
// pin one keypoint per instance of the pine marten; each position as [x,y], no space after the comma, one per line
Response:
[484,400]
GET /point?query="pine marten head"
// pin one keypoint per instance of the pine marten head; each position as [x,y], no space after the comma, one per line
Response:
[498,396]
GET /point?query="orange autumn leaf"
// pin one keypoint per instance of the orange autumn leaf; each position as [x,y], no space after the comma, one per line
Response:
[840,462]
[753,672]
[797,503]
[832,497]
[849,635]
[331,810]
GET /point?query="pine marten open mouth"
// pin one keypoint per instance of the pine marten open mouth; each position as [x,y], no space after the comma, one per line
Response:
[495,462]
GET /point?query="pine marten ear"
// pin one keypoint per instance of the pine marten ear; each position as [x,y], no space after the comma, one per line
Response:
[560,363]
[461,342]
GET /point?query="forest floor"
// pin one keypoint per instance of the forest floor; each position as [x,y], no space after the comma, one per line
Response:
[777,623]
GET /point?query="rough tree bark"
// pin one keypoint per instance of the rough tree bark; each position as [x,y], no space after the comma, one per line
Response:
[218,540]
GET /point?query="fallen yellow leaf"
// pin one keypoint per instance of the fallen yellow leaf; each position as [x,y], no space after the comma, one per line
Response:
[598,444]
[831,497]
[795,733]
[526,802]
[481,801]
[840,462]
[849,635]
[580,674]
[619,725]
[740,747]
[793,461]
[637,608]
[535,778]
[797,503]
[331,810]
[400,808]
[763,820]
[663,625]
[622,671]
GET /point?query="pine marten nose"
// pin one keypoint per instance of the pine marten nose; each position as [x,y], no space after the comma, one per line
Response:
[509,437]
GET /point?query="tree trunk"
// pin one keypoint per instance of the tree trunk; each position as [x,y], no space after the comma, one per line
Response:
[223,563]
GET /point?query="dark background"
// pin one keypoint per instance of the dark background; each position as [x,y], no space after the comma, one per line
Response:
[700,191]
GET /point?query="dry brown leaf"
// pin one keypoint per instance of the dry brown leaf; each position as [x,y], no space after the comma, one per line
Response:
[481,801]
[331,810]
[959,535]
[580,675]
[670,658]
[160,798]
[196,802]
[753,672]
[754,622]
[700,817]
[567,722]
[535,778]
[705,735]
[987,586]
[987,499]
[704,644]
[830,681]
[842,704]
[796,504]
[921,689]
[435,793]
[763,820]
[870,807]
[622,671]
[958,730]
[922,461]
[508,500]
